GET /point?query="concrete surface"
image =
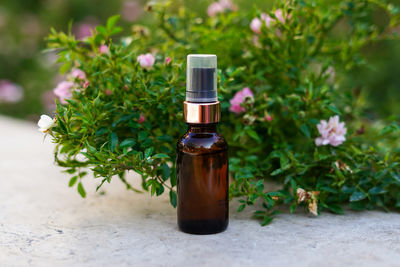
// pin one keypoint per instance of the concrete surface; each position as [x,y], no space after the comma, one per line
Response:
[45,223]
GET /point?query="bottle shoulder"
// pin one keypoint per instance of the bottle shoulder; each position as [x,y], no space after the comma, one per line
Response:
[202,143]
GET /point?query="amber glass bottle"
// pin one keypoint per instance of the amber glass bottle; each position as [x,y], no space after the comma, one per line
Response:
[202,154]
[202,166]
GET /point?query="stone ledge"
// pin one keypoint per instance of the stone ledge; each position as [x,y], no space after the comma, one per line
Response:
[45,223]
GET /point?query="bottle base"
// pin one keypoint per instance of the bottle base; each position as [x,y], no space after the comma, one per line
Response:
[203,227]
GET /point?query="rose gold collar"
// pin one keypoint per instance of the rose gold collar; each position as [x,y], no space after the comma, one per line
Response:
[201,113]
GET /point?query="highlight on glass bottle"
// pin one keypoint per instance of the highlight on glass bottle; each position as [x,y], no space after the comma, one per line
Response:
[202,153]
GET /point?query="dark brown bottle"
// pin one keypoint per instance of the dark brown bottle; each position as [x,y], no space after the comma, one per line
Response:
[202,172]
[202,154]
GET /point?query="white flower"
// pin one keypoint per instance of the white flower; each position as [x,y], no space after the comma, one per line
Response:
[45,123]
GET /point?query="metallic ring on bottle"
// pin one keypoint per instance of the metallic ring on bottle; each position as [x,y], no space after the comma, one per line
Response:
[201,112]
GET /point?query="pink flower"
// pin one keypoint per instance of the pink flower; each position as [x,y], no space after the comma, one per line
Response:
[78,74]
[228,5]
[219,7]
[83,30]
[146,61]
[332,132]
[131,10]
[103,49]
[268,117]
[141,119]
[256,23]
[63,91]
[214,9]
[108,92]
[239,98]
[279,15]
[267,19]
[167,60]
[10,92]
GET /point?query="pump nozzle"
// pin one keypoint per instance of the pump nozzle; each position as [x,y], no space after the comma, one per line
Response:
[201,78]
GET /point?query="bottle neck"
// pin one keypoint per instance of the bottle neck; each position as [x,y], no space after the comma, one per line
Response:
[202,128]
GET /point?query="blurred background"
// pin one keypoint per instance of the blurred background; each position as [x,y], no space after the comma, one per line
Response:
[28,75]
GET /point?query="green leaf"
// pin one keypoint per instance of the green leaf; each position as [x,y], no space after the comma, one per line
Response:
[241,207]
[305,130]
[267,220]
[90,148]
[334,110]
[112,21]
[276,194]
[360,205]
[165,138]
[113,141]
[160,156]
[246,175]
[335,208]
[172,198]
[389,129]
[377,190]
[62,125]
[160,190]
[293,207]
[253,134]
[165,171]
[284,161]
[142,135]
[130,142]
[70,171]
[72,181]
[101,131]
[329,189]
[100,29]
[153,187]
[148,152]
[65,67]
[348,190]
[116,30]
[101,184]
[357,196]
[81,190]
[277,171]
[173,177]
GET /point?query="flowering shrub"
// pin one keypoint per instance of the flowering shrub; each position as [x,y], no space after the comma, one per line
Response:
[285,114]
[27,75]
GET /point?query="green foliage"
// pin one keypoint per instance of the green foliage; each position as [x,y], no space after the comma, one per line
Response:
[23,26]
[293,69]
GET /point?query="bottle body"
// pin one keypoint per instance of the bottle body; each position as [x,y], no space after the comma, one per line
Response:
[202,180]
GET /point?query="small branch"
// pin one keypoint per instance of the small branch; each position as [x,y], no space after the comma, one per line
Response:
[163,183]
[126,167]
[324,30]
[168,31]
